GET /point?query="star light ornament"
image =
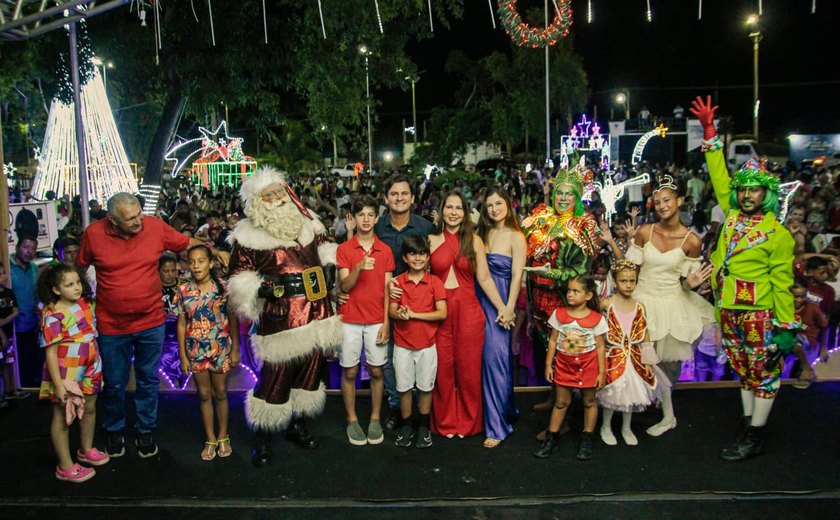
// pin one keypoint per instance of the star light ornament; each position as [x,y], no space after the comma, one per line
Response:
[639,149]
[209,145]
[9,170]
[220,161]
[583,137]
[612,193]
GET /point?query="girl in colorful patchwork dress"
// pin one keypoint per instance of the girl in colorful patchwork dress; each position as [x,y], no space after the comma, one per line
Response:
[632,382]
[72,373]
[575,359]
[207,347]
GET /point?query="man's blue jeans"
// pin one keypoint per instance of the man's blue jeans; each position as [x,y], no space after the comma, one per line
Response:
[117,352]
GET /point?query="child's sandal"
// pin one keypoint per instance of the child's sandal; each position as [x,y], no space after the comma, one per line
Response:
[222,452]
[209,451]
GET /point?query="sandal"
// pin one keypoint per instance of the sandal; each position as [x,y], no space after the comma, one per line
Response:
[491,443]
[228,451]
[209,451]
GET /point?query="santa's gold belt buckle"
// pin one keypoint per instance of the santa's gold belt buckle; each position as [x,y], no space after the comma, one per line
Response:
[314,283]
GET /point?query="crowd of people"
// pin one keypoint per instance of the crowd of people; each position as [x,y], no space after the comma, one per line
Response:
[444,294]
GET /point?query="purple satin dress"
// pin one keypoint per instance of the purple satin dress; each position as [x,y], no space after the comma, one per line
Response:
[500,410]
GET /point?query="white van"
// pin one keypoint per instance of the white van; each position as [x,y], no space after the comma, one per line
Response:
[741,150]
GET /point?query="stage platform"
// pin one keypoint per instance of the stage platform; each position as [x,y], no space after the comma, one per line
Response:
[675,476]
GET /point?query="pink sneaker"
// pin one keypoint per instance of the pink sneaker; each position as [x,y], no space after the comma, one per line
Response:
[75,473]
[93,457]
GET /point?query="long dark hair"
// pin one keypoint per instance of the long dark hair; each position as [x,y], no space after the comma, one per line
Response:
[466,230]
[589,285]
[485,223]
[51,278]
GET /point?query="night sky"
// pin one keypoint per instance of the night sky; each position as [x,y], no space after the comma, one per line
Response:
[799,71]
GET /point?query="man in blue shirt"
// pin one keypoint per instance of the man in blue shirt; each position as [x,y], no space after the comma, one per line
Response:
[24,275]
[393,227]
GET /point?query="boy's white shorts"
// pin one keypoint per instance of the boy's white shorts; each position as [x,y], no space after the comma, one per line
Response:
[355,336]
[415,368]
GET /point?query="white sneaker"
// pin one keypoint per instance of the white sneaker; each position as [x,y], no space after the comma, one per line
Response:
[608,437]
[662,426]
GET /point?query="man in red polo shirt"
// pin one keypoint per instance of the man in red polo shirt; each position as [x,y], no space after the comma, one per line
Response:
[365,265]
[125,248]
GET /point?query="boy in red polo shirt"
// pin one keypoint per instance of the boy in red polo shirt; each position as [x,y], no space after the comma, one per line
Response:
[365,265]
[416,315]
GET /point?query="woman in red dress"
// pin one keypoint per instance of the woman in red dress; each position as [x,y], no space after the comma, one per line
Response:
[459,259]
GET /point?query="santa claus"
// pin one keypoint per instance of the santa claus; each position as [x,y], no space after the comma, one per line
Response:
[279,279]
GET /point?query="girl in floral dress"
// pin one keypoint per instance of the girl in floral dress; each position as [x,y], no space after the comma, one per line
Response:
[207,347]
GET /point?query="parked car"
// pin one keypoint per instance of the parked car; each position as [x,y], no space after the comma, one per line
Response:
[348,170]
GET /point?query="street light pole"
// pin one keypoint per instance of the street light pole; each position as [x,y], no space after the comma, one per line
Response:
[623,98]
[753,21]
[364,50]
[414,110]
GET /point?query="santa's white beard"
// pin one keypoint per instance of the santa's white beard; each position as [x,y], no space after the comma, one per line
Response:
[280,219]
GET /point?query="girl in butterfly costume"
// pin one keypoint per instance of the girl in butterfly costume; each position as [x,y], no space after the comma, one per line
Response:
[753,273]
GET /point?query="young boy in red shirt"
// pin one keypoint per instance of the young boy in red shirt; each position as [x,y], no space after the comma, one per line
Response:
[814,323]
[365,265]
[416,314]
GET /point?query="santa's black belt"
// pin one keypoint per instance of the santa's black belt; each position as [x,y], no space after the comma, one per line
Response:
[310,283]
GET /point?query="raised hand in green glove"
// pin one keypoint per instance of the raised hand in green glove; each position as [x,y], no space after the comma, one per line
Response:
[785,340]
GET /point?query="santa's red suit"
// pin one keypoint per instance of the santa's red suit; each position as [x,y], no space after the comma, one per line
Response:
[295,326]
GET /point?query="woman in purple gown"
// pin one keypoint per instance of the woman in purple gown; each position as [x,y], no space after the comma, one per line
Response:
[499,228]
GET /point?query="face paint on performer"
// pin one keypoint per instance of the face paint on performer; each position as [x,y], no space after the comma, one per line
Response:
[564,198]
[750,199]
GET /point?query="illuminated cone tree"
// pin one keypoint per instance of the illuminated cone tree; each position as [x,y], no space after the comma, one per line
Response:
[108,168]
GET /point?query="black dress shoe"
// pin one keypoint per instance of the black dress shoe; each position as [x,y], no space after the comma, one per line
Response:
[746,446]
[551,443]
[298,434]
[261,454]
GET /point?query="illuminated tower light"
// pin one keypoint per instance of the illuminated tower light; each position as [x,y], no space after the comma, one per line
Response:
[109,171]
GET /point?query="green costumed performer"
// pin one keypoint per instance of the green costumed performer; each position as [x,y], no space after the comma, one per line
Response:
[562,240]
[753,274]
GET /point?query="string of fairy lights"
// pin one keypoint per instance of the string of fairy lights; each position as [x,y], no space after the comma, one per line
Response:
[524,34]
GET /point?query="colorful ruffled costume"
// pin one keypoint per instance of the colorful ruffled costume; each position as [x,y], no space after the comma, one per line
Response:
[629,388]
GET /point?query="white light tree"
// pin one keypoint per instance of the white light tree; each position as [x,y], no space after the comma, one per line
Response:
[109,171]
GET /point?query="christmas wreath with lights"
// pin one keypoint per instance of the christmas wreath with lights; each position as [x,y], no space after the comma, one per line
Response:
[528,36]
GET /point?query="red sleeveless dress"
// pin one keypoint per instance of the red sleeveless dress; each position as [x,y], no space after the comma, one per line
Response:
[456,399]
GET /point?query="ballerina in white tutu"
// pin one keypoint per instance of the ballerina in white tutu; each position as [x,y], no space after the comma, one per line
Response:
[632,379]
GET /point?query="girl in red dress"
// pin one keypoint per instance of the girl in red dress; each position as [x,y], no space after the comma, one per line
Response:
[575,359]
